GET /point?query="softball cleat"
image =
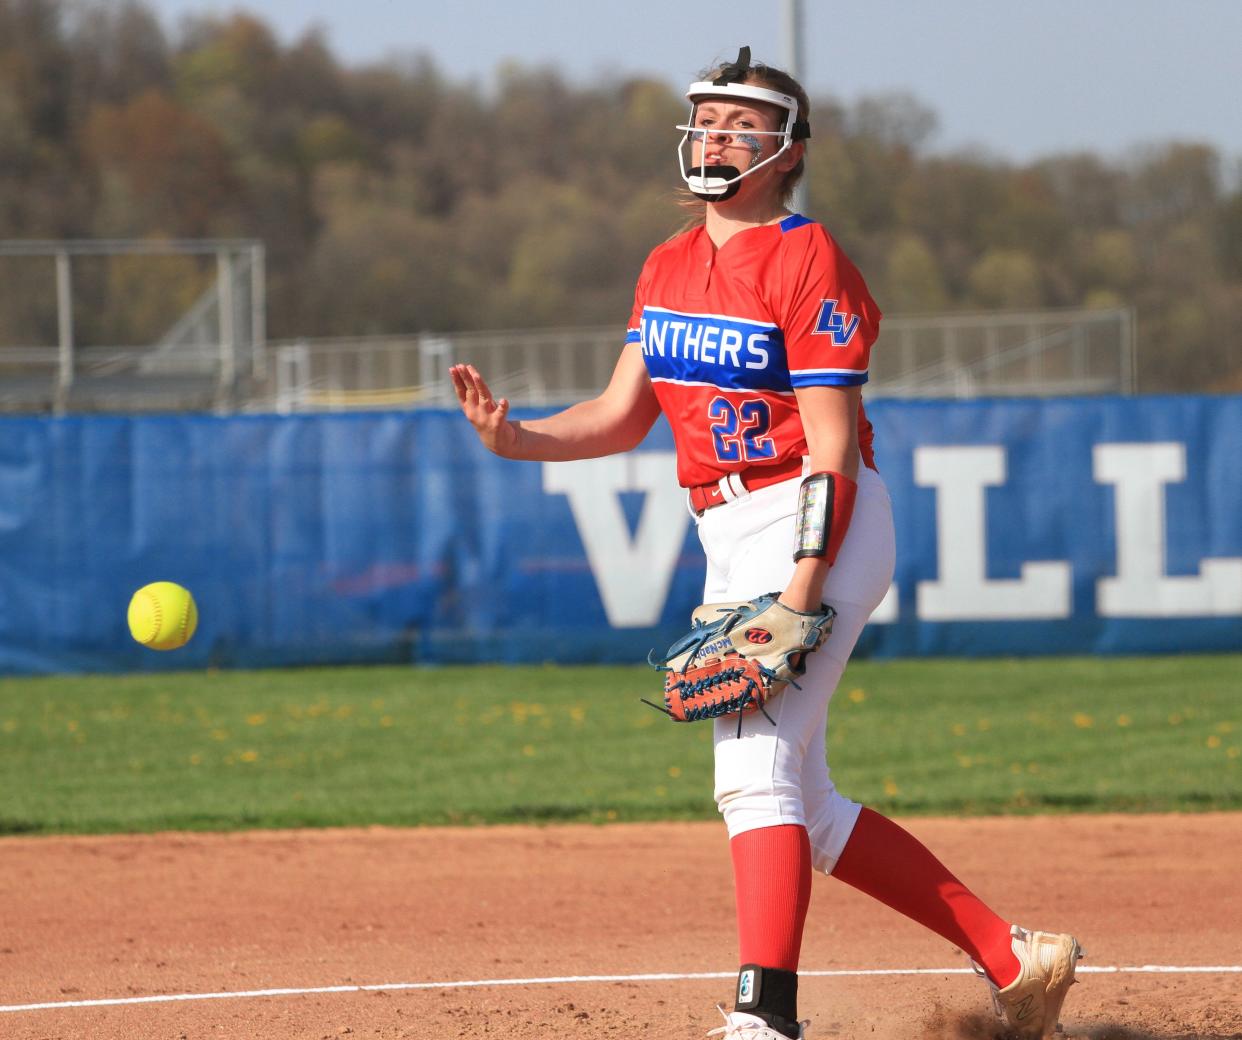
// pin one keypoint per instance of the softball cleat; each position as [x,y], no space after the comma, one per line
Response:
[1031,1004]
[741,1026]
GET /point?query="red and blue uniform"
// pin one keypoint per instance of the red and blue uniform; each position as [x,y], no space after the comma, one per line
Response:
[729,334]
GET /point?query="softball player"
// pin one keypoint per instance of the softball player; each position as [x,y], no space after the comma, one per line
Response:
[751,332]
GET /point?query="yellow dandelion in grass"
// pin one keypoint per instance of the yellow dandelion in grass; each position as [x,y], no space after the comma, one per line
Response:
[196,759]
[611,814]
[577,713]
[343,712]
[522,711]
[1124,720]
[71,726]
[249,756]
[890,787]
[661,791]
[529,750]
[10,725]
[959,730]
[219,734]
[1082,720]
[1015,767]
[965,761]
[674,771]
[257,719]
[858,696]
[1233,752]
[1213,741]
[387,721]
[1224,727]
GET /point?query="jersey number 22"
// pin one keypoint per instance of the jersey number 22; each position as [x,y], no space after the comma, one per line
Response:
[740,432]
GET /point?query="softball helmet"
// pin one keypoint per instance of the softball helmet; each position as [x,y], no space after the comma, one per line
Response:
[717,183]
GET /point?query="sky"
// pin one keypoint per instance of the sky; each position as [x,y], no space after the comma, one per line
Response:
[1015,79]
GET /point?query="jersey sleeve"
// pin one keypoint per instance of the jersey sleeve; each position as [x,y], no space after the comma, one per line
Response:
[827,314]
[634,330]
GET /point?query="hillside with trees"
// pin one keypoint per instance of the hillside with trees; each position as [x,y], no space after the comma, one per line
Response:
[393,199]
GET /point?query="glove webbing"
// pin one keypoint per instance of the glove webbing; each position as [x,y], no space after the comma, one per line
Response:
[736,703]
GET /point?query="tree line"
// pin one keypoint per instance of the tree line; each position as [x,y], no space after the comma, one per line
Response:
[393,199]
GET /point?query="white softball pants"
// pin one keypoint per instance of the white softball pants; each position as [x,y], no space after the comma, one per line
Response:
[778,774]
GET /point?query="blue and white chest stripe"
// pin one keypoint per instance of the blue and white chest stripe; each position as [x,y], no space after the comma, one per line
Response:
[713,350]
[725,352]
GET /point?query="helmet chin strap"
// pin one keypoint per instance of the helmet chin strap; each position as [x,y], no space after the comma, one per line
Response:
[713,183]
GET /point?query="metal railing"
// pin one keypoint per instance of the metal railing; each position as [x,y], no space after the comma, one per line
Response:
[216,354]
[208,358]
[1037,353]
[1041,353]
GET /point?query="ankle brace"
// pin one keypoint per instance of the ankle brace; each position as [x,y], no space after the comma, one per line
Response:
[770,994]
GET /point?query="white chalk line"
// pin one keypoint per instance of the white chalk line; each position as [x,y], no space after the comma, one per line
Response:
[169,998]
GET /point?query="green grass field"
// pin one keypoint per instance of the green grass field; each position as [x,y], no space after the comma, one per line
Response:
[347,746]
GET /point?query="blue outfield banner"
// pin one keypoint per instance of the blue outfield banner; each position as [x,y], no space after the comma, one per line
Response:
[1090,525]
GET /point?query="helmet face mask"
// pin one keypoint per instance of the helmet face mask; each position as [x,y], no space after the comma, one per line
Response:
[718,183]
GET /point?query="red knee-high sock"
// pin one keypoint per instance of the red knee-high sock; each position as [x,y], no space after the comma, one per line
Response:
[772,882]
[891,865]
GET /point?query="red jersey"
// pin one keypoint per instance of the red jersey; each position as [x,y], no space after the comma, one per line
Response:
[728,334]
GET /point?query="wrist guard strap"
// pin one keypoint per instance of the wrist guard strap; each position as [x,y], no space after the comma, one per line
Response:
[825,505]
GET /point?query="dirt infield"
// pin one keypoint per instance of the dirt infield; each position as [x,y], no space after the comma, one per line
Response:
[188,915]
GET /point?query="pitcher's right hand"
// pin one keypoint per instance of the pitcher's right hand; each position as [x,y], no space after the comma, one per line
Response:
[488,417]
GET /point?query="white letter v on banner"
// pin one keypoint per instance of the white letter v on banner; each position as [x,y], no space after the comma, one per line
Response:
[633,575]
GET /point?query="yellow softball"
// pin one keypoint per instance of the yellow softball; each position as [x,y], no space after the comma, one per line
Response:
[162,615]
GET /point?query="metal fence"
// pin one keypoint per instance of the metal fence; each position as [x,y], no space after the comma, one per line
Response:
[530,367]
[1039,353]
[211,356]
[215,354]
